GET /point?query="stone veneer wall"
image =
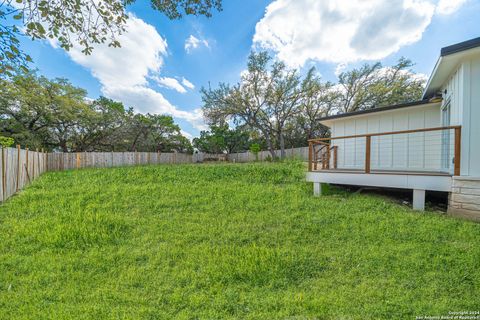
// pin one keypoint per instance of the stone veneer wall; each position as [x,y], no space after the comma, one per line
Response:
[465,198]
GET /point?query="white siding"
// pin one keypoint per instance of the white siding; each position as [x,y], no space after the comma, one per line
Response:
[392,152]
[474,119]
[463,90]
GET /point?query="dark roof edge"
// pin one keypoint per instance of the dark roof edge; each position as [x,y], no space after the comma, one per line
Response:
[380,109]
[462,46]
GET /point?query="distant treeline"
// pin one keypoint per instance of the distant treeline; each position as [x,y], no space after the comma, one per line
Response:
[55,115]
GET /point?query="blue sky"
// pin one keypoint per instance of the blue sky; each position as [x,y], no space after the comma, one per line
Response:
[163,64]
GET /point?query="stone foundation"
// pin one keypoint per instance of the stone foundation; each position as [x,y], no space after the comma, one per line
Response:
[464,199]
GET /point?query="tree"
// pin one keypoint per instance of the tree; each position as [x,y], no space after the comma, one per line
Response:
[284,100]
[222,139]
[317,101]
[54,114]
[6,142]
[285,107]
[82,22]
[66,108]
[155,133]
[24,109]
[264,99]
[99,129]
[255,149]
[374,86]
[246,102]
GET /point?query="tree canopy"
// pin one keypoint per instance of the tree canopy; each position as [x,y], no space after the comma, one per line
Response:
[53,114]
[285,107]
[82,22]
[222,139]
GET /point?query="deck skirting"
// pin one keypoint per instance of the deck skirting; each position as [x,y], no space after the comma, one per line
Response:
[385,180]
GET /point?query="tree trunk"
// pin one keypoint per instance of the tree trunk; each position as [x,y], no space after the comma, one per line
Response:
[270,146]
[281,138]
[63,145]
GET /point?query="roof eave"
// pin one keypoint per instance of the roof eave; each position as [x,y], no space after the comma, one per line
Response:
[375,110]
[427,90]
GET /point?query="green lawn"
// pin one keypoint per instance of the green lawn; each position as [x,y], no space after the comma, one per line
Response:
[226,242]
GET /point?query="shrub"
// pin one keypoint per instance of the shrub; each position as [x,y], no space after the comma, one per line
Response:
[6,142]
[255,149]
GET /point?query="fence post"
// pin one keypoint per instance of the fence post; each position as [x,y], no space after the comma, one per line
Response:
[368,144]
[310,155]
[26,165]
[33,167]
[43,159]
[18,168]
[4,182]
[458,144]
[38,162]
[78,160]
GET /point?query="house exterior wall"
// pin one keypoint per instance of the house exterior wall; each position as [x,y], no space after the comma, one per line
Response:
[418,151]
[463,91]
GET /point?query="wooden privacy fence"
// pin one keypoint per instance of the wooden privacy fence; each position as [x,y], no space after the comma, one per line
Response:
[292,153]
[19,167]
[66,161]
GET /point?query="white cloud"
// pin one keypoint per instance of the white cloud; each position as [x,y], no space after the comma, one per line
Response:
[340,68]
[149,100]
[341,31]
[187,135]
[188,84]
[141,53]
[193,43]
[124,72]
[170,83]
[446,7]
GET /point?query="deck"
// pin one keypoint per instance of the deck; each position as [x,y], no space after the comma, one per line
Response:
[384,171]
[422,159]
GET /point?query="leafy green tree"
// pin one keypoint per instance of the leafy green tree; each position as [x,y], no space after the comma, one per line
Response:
[266,97]
[222,139]
[6,142]
[286,108]
[54,114]
[255,149]
[373,85]
[82,22]
[156,133]
[25,109]
[39,112]
[100,128]
[67,108]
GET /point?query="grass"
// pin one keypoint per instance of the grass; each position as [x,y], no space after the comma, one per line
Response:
[226,242]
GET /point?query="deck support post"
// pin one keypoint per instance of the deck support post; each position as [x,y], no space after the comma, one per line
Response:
[310,156]
[317,189]
[368,144]
[457,150]
[419,200]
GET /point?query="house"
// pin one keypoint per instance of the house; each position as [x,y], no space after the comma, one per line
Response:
[432,144]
